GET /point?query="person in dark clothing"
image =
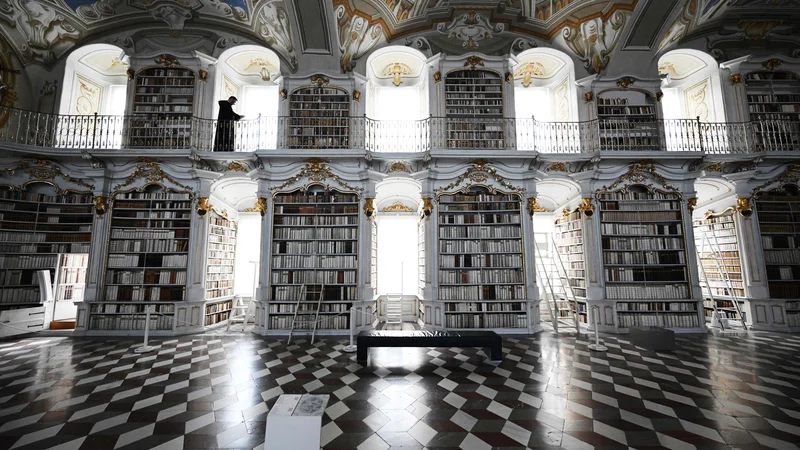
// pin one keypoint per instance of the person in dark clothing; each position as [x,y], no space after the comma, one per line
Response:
[225,139]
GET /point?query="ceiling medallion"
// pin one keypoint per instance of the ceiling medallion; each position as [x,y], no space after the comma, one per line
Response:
[473,61]
[396,71]
[320,80]
[167,60]
[529,70]
[398,207]
[470,28]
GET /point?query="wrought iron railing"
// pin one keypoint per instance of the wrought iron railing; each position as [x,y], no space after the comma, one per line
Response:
[172,132]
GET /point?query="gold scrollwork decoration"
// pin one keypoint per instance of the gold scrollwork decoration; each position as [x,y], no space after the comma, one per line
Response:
[709,214]
[130,73]
[151,172]
[397,207]
[790,176]
[100,205]
[167,60]
[586,207]
[480,172]
[357,95]
[534,207]
[437,77]
[691,204]
[625,82]
[235,166]
[202,75]
[259,207]
[744,207]
[736,78]
[316,171]
[474,61]
[283,93]
[640,173]
[588,97]
[772,64]
[397,166]
[715,167]
[427,206]
[47,171]
[320,80]
[369,206]
[203,206]
[557,167]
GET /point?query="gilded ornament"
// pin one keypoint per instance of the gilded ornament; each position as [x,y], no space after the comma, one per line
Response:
[736,79]
[771,64]
[202,206]
[397,207]
[130,73]
[790,176]
[715,167]
[369,206]
[320,80]
[474,61]
[356,95]
[316,171]
[167,60]
[588,97]
[202,75]
[235,166]
[43,170]
[744,207]
[259,207]
[691,203]
[565,212]
[659,96]
[528,71]
[479,173]
[625,82]
[534,207]
[557,167]
[586,207]
[509,77]
[639,173]
[398,167]
[150,172]
[396,70]
[437,77]
[427,206]
[100,205]
[283,94]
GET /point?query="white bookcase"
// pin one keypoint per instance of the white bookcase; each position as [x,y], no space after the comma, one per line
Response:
[373,262]
[720,261]
[627,121]
[778,213]
[481,274]
[319,117]
[71,277]
[474,109]
[314,244]
[220,268]
[38,230]
[773,100]
[644,259]
[569,245]
[147,259]
[163,105]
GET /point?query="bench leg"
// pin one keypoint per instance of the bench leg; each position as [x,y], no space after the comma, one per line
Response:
[496,352]
[361,353]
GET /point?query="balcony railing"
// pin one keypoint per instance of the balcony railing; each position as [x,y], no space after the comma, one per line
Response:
[165,132]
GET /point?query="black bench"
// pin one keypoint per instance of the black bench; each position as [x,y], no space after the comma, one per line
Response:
[488,340]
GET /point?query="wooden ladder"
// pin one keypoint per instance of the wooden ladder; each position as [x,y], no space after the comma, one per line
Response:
[301,310]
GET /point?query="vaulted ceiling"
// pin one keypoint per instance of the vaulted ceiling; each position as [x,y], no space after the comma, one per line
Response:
[44,31]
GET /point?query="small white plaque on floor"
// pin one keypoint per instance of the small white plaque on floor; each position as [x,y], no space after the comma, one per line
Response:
[295,422]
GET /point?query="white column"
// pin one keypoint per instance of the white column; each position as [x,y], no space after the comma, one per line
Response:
[98,249]
[529,264]
[366,290]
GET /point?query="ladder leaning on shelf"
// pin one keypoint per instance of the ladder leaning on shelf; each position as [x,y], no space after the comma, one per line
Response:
[723,271]
[569,294]
[552,302]
[299,310]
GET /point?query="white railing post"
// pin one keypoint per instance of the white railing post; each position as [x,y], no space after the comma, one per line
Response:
[597,346]
[352,347]
[146,348]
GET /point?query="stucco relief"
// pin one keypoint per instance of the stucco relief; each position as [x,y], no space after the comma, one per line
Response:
[273,27]
[97,11]
[562,101]
[356,37]
[229,88]
[237,12]
[45,31]
[470,28]
[88,100]
[8,81]
[697,101]
[592,41]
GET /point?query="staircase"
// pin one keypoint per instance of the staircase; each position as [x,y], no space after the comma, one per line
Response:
[394,308]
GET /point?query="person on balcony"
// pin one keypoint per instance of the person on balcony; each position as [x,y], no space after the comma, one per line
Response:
[225,140]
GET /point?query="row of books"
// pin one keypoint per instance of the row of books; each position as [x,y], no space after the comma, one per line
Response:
[289,308]
[134,233]
[217,318]
[122,308]
[478,219]
[126,261]
[649,258]
[44,228]
[312,262]
[514,246]
[148,246]
[72,292]
[220,282]
[496,292]
[219,307]
[643,229]
[656,306]
[667,320]
[639,216]
[219,266]
[478,232]
[484,307]
[655,291]
[480,276]
[165,90]
[783,289]
[320,209]
[216,233]
[43,219]
[332,293]
[315,233]
[486,320]
[152,214]
[221,251]
[173,108]
[16,277]
[326,323]
[314,247]
[782,273]
[645,274]
[641,243]
[43,198]
[316,198]
[144,293]
[71,275]
[787,256]
[27,261]
[146,277]
[129,323]
[480,261]
[167,195]
[19,295]
[316,220]
[313,276]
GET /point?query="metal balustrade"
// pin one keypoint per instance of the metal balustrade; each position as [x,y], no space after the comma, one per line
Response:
[167,132]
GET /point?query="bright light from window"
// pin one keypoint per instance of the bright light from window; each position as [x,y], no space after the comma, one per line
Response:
[261,100]
[397,255]
[398,110]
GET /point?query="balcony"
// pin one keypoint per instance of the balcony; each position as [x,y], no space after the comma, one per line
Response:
[162,132]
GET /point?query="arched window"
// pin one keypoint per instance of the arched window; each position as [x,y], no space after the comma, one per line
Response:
[691,86]
[544,86]
[95,81]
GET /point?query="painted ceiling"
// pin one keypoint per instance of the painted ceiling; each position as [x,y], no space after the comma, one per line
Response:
[44,31]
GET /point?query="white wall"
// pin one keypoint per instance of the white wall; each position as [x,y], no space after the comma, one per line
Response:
[398,248]
[248,243]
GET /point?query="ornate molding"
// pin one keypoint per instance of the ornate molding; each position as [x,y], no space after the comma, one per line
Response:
[398,166]
[320,80]
[283,93]
[437,77]
[202,75]
[772,64]
[357,36]
[235,166]
[100,205]
[357,95]
[47,171]
[659,96]
[259,207]
[474,61]
[529,70]
[557,167]
[150,171]
[716,167]
[203,206]
[593,40]
[588,97]
[586,207]
[470,28]
[534,207]
[427,206]
[640,173]
[789,176]
[167,60]
[625,82]
[47,34]
[396,70]
[369,206]
[691,204]
[743,207]
[316,171]
[397,207]
[736,78]
[273,25]
[479,173]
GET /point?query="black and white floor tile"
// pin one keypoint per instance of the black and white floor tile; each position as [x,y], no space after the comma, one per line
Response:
[215,391]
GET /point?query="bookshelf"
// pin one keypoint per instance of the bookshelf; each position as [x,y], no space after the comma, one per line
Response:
[163,105]
[569,245]
[319,117]
[71,277]
[421,256]
[773,100]
[474,109]
[644,258]
[314,243]
[148,253]
[37,231]
[373,267]
[778,214]
[627,121]
[481,275]
[719,258]
[220,268]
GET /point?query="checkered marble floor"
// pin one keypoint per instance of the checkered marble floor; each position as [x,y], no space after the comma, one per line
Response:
[215,391]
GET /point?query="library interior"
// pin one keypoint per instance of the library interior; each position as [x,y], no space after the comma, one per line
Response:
[611,187]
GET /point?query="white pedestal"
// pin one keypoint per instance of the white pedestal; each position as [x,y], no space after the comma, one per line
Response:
[295,422]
